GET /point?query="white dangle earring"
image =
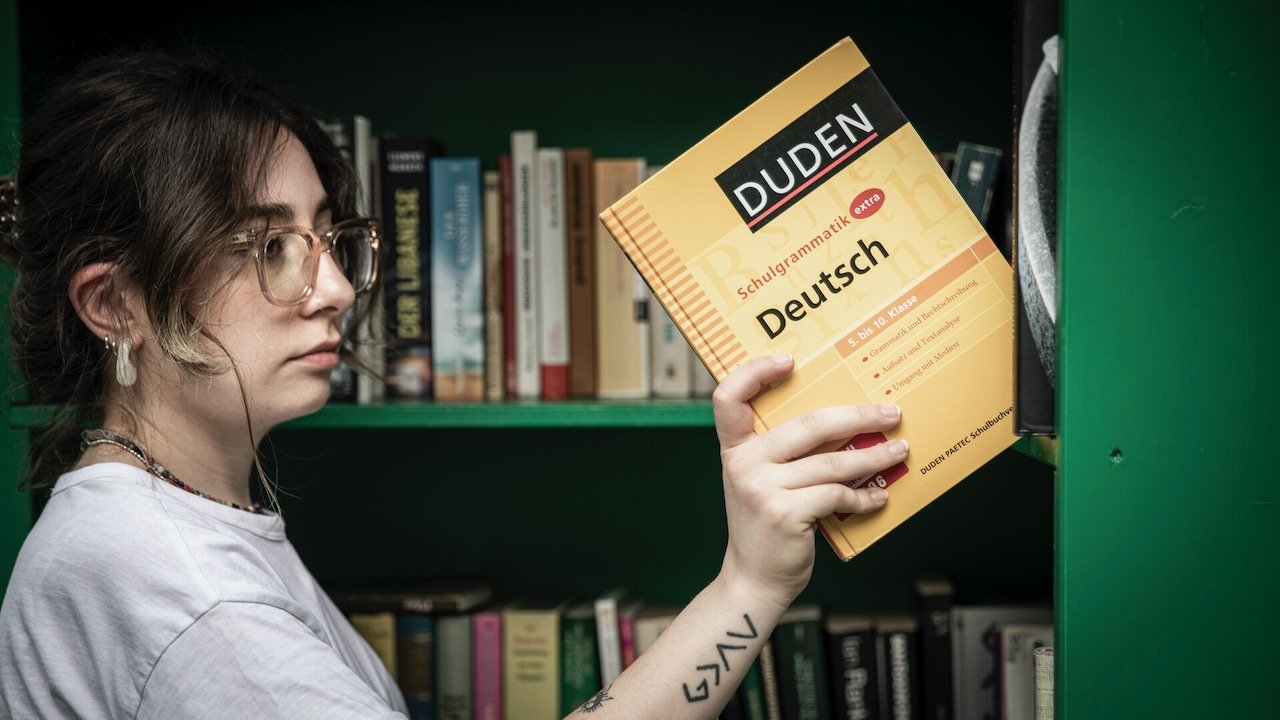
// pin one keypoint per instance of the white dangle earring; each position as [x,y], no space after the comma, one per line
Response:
[126,371]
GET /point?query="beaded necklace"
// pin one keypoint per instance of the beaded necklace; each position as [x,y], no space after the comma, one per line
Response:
[103,436]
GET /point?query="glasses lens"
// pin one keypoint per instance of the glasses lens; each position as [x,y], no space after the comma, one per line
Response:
[353,252]
[285,259]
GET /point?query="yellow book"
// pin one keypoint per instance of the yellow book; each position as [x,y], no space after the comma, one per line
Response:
[817,223]
[531,661]
[379,630]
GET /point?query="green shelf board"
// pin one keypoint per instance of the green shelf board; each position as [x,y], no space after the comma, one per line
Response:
[520,414]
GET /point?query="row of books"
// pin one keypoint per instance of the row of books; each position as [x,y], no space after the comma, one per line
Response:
[503,284]
[458,655]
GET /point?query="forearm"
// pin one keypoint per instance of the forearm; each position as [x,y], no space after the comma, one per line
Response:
[693,668]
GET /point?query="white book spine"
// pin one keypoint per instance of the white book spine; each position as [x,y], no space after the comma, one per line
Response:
[670,368]
[371,335]
[607,639]
[453,666]
[524,197]
[553,276]
[704,383]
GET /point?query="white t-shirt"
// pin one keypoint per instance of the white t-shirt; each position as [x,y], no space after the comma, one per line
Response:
[132,598]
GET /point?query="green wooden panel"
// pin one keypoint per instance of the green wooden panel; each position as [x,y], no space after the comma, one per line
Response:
[15,506]
[1167,580]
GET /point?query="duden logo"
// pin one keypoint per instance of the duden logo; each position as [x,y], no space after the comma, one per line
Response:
[798,158]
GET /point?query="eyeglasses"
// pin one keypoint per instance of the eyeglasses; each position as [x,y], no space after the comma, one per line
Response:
[288,257]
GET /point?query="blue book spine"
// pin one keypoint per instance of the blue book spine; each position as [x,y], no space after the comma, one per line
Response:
[457,286]
[415,666]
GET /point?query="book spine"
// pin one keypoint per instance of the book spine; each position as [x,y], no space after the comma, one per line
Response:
[379,630]
[974,175]
[524,198]
[580,673]
[608,640]
[854,683]
[531,642]
[415,654]
[935,654]
[453,667]
[801,670]
[342,378]
[493,368]
[627,638]
[456,273]
[405,207]
[371,335]
[901,674]
[769,682]
[506,181]
[580,221]
[672,365]
[487,668]
[622,333]
[752,694]
[1044,683]
[553,277]
[704,383]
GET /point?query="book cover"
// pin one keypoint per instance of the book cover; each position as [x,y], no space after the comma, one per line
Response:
[580,223]
[899,659]
[974,657]
[801,662]
[607,635]
[524,224]
[1017,677]
[671,359]
[486,655]
[579,662]
[531,667]
[937,595]
[622,307]
[379,630]
[553,276]
[1035,198]
[415,662]
[436,596]
[506,218]
[493,368]
[855,682]
[457,272]
[406,221]
[817,223]
[453,667]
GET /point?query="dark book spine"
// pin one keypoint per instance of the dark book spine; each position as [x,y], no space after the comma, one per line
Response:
[935,655]
[752,694]
[854,681]
[406,202]
[415,651]
[802,670]
[901,680]
[580,223]
[342,379]
[505,184]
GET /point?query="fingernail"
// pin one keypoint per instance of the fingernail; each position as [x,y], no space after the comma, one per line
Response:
[898,447]
[782,358]
[890,411]
[878,495]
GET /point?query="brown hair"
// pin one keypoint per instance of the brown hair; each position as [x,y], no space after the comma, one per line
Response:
[138,159]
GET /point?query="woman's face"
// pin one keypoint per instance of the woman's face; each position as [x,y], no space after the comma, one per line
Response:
[283,354]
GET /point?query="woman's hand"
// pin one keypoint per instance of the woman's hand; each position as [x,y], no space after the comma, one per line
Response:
[775,491]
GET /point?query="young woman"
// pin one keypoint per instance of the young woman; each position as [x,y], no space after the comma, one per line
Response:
[185,248]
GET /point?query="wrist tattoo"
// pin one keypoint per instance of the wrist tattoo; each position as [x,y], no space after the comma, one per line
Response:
[702,689]
[596,701]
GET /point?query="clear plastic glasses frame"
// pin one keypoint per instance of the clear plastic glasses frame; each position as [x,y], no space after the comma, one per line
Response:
[288,257]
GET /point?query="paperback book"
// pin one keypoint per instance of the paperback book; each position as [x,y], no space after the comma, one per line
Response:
[817,223]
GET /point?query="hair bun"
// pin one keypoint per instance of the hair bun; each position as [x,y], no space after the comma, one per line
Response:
[8,220]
